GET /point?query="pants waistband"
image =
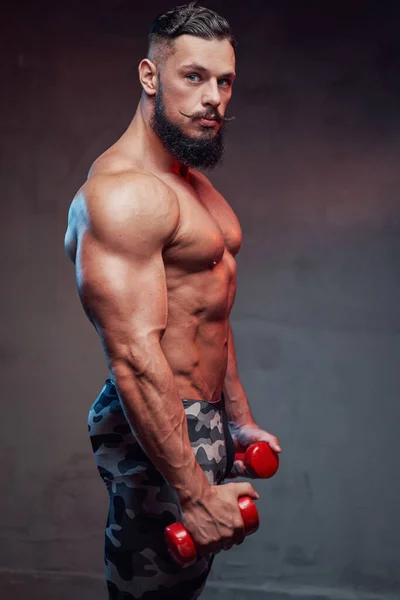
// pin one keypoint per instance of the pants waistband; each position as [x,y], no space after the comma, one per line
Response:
[220,403]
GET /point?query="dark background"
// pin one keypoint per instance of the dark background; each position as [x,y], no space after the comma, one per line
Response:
[312,171]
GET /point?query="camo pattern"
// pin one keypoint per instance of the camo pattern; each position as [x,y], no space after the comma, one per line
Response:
[142,504]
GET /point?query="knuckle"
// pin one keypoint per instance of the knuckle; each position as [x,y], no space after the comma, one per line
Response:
[238,524]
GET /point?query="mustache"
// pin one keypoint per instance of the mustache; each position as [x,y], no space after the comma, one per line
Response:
[209,115]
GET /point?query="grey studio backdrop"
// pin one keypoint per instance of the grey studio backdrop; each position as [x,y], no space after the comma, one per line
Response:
[312,171]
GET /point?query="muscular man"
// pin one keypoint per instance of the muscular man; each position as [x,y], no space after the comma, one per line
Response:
[154,245]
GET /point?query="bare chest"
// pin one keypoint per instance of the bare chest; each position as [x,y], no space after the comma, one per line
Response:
[209,230]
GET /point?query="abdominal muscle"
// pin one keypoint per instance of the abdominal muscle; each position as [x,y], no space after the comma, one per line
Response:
[195,341]
[198,358]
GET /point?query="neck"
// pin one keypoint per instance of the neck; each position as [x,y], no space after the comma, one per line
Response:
[181,170]
[147,145]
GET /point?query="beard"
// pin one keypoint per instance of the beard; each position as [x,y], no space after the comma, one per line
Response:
[204,151]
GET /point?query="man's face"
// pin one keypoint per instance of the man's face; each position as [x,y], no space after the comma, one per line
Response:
[194,88]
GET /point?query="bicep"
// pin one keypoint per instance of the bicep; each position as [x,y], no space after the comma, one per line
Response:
[125,295]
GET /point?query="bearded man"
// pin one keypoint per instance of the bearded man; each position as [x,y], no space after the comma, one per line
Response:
[154,246]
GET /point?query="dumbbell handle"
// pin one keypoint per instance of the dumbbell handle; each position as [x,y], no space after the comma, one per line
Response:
[260,459]
[180,543]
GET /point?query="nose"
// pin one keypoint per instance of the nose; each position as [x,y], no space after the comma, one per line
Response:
[212,95]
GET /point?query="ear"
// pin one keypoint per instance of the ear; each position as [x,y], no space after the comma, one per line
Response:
[148,76]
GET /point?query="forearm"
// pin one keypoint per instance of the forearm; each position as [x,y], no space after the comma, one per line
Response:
[155,413]
[236,402]
[241,421]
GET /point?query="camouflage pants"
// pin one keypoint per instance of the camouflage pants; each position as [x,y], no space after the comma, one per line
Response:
[142,504]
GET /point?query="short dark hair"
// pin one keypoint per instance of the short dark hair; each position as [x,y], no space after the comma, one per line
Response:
[189,19]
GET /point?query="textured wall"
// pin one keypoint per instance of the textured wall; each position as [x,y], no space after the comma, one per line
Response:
[312,170]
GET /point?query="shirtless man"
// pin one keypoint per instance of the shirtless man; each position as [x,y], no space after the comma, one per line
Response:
[154,244]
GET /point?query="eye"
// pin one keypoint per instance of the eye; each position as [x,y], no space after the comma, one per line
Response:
[193,77]
[224,82]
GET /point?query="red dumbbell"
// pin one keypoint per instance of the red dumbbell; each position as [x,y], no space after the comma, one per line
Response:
[181,545]
[260,459]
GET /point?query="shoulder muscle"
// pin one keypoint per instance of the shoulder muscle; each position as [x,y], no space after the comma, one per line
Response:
[127,211]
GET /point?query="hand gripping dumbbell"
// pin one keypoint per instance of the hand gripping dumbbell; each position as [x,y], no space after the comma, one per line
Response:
[259,459]
[181,545]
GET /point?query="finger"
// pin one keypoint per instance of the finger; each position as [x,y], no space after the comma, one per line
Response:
[249,473]
[246,472]
[272,440]
[245,489]
[238,470]
[240,533]
[239,467]
[274,443]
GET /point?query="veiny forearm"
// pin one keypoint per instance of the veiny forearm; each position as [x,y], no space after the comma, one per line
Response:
[155,412]
[236,402]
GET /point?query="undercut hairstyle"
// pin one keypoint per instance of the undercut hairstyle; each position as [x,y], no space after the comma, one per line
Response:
[188,19]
